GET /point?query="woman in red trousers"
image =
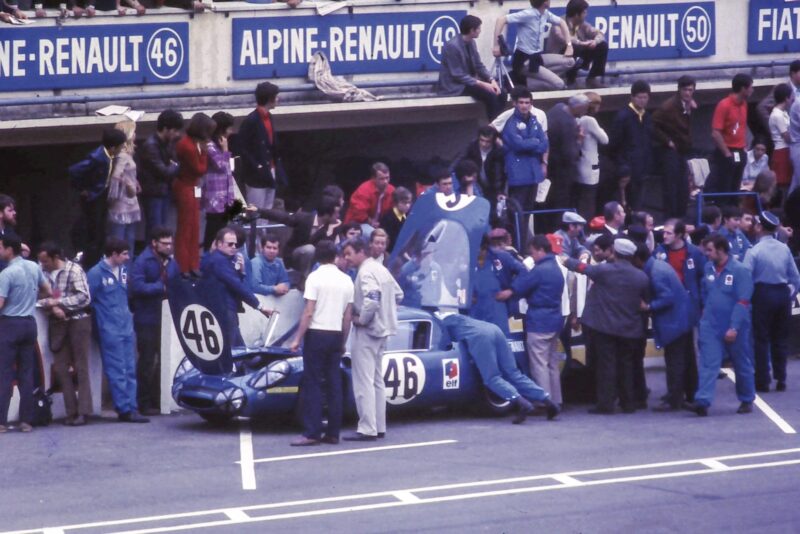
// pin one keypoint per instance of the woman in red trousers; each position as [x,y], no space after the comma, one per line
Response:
[193,161]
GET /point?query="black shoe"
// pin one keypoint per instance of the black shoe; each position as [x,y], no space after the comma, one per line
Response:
[358,436]
[151,412]
[763,388]
[524,407]
[381,435]
[640,405]
[721,375]
[745,407]
[132,417]
[666,407]
[781,386]
[552,409]
[700,410]
[330,440]
[601,411]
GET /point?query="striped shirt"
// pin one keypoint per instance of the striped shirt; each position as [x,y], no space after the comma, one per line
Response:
[71,290]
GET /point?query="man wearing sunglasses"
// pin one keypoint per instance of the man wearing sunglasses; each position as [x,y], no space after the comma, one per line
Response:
[222,265]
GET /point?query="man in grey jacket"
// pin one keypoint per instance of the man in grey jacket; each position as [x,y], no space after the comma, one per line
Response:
[463,72]
[374,319]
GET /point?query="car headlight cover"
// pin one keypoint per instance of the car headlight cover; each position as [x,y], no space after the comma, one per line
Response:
[184,367]
[230,399]
[274,373]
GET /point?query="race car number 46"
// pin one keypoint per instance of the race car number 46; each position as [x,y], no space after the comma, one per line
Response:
[201,332]
[404,377]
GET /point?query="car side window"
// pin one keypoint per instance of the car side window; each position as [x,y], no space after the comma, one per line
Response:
[411,335]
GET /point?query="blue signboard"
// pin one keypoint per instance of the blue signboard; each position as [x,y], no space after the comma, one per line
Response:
[268,47]
[652,31]
[93,56]
[773,26]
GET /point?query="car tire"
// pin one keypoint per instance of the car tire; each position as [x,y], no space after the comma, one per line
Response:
[217,419]
[491,404]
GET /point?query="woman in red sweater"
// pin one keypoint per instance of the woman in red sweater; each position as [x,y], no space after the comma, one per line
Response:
[193,162]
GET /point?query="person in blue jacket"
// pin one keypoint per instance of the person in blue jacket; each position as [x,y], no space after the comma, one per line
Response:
[489,349]
[526,143]
[543,287]
[90,178]
[688,262]
[113,321]
[669,307]
[731,219]
[148,289]
[269,273]
[725,325]
[226,266]
[492,292]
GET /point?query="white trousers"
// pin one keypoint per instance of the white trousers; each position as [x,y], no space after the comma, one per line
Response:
[368,386]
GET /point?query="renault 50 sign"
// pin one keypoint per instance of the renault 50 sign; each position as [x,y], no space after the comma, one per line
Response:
[269,47]
[93,56]
[773,26]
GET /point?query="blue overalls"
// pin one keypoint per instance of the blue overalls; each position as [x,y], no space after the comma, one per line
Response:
[727,305]
[498,271]
[114,325]
[738,242]
[693,271]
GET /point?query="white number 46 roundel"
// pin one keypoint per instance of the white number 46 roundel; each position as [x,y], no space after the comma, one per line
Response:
[403,376]
[200,332]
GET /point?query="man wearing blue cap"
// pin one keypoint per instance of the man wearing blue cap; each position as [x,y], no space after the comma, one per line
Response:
[725,325]
[776,281]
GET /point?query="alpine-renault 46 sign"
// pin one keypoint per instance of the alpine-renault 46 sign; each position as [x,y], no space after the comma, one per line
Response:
[773,26]
[93,56]
[265,47]
[652,31]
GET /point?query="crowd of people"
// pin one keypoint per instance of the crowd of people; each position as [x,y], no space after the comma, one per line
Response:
[711,293]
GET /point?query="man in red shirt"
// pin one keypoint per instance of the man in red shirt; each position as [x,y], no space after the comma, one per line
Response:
[729,133]
[372,199]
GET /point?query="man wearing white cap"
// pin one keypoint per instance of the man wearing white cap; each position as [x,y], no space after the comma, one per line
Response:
[613,312]
[570,234]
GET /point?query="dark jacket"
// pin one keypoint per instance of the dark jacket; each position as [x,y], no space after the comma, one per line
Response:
[91,175]
[492,180]
[693,272]
[147,287]
[257,153]
[631,144]
[461,67]
[562,132]
[302,225]
[672,123]
[392,225]
[542,287]
[525,143]
[221,267]
[669,304]
[156,167]
[614,301]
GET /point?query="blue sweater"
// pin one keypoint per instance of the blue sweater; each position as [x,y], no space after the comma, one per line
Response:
[267,274]
[542,286]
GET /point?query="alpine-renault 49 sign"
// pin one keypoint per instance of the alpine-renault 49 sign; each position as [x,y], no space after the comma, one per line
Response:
[652,31]
[93,56]
[773,26]
[266,47]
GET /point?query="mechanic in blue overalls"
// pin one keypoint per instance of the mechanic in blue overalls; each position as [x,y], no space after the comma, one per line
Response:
[731,219]
[725,326]
[108,286]
[488,348]
[492,288]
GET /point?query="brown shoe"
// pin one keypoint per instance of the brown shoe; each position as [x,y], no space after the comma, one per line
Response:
[330,440]
[25,427]
[3,429]
[79,420]
[303,441]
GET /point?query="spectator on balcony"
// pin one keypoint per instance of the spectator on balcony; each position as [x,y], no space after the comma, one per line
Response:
[373,198]
[488,156]
[393,220]
[526,143]
[192,153]
[463,72]
[584,190]
[765,107]
[565,142]
[123,204]
[781,162]
[157,167]
[632,146]
[531,24]
[588,43]
[218,190]
[258,147]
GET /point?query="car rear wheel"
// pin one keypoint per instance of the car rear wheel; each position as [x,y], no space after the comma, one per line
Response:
[217,419]
[494,405]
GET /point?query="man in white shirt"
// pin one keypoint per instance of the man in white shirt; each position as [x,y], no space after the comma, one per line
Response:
[323,330]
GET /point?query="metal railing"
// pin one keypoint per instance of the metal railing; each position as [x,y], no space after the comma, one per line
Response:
[702,196]
[519,214]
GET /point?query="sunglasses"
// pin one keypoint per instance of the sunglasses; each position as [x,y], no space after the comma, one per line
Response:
[230,244]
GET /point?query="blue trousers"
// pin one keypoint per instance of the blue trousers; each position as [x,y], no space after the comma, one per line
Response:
[712,350]
[126,232]
[322,352]
[17,349]
[498,368]
[772,312]
[119,364]
[156,213]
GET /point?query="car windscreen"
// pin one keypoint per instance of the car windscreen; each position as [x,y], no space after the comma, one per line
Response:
[411,335]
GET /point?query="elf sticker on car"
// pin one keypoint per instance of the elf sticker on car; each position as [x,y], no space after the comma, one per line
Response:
[451,374]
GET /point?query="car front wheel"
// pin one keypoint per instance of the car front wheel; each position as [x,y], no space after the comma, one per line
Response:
[494,405]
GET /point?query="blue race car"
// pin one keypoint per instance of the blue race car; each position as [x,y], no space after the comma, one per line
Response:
[435,255]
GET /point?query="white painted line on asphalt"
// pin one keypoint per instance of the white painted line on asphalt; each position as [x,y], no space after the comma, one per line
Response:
[237,515]
[353,451]
[406,496]
[246,455]
[715,464]
[395,500]
[567,480]
[53,531]
[764,407]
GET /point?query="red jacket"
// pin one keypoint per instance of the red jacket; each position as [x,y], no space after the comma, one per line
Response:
[364,202]
[192,163]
